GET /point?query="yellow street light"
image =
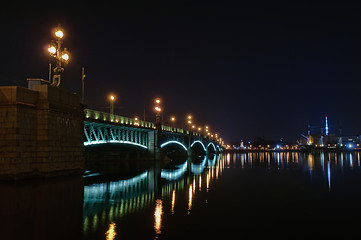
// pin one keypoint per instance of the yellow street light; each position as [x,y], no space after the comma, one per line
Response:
[112,100]
[172,119]
[59,33]
[52,49]
[65,56]
[136,121]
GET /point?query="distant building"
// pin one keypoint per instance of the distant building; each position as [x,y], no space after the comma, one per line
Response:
[323,136]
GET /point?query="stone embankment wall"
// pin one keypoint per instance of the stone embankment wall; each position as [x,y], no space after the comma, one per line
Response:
[41,132]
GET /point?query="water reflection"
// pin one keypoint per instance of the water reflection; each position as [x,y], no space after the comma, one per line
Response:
[107,202]
[173,201]
[193,194]
[182,187]
[158,216]
[110,234]
[316,164]
[42,209]
[190,199]
[283,160]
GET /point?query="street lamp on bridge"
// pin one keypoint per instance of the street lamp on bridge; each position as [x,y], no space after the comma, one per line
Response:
[60,54]
[189,121]
[158,110]
[112,100]
[172,119]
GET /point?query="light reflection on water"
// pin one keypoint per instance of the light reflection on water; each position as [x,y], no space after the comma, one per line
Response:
[282,160]
[110,234]
[171,193]
[107,202]
[158,216]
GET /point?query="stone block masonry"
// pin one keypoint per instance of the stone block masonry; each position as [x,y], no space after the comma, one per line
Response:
[41,132]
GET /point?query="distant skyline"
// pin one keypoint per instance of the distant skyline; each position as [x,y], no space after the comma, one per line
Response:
[244,69]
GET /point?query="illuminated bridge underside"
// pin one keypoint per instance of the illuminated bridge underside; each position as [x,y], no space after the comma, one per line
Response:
[98,133]
[100,128]
[205,145]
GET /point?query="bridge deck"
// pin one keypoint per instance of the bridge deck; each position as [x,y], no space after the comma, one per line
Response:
[103,117]
[101,127]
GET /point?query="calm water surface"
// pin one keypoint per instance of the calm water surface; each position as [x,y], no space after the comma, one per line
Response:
[246,195]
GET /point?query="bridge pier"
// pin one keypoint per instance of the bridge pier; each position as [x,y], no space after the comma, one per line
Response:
[189,152]
[41,132]
[154,145]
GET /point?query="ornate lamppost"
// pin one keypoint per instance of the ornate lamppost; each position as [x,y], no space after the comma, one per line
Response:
[158,110]
[158,123]
[60,54]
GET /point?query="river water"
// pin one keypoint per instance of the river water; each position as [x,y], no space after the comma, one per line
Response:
[234,196]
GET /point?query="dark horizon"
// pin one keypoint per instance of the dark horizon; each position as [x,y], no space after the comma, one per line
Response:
[246,70]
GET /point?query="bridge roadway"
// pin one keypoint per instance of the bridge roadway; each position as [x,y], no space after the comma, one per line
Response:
[101,127]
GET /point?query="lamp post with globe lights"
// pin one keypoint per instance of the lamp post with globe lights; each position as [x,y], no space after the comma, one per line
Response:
[158,111]
[60,54]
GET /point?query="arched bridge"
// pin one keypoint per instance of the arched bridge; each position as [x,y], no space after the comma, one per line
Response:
[101,127]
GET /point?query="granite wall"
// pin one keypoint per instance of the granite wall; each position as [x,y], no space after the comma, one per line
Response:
[41,132]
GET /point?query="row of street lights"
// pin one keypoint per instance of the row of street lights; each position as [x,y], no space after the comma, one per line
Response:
[158,119]
[189,123]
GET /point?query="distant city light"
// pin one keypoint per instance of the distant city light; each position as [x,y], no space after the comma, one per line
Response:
[326,128]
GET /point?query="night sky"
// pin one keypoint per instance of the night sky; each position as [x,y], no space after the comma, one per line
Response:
[246,70]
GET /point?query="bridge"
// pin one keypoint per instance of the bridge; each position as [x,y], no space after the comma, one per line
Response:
[101,127]
[44,130]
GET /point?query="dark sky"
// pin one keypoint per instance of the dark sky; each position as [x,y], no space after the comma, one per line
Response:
[245,69]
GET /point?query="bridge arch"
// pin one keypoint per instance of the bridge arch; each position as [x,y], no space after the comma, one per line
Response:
[214,147]
[174,142]
[97,142]
[197,141]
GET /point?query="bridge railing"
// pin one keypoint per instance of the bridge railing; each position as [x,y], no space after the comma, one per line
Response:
[107,117]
